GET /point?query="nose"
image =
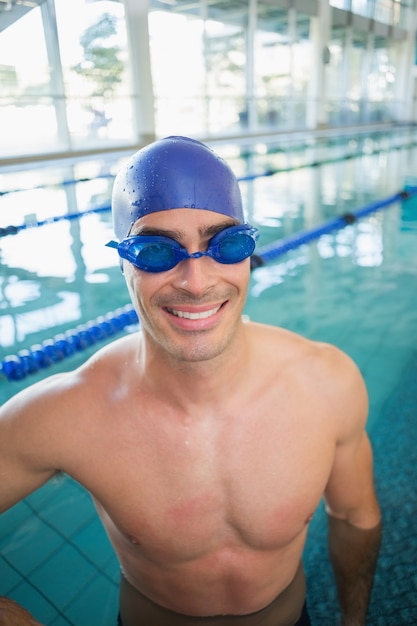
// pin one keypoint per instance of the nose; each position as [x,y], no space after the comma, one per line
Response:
[195,275]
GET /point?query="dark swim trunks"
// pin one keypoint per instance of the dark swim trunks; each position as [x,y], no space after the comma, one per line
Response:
[303,621]
[304,617]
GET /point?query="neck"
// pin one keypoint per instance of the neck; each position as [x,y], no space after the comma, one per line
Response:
[196,383]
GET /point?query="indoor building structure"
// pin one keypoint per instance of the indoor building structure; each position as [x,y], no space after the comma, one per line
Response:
[109,74]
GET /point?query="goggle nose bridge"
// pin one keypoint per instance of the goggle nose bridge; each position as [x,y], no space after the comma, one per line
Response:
[196,255]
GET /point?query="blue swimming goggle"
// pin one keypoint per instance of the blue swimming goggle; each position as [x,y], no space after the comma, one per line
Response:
[155,253]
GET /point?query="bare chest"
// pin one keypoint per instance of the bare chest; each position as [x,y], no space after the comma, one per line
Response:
[180,493]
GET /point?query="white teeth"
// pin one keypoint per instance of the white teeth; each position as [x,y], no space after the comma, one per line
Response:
[194,316]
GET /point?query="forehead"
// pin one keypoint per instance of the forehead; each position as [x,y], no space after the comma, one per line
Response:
[184,220]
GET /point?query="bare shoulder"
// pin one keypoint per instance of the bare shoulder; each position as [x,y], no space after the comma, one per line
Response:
[289,345]
[104,364]
[55,425]
[323,370]
[45,415]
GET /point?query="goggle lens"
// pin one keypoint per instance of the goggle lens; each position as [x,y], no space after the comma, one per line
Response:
[236,247]
[153,253]
[152,257]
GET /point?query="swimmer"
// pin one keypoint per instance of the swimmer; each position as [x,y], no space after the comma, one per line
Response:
[206,441]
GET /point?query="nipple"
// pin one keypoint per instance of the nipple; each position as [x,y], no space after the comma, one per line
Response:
[133,539]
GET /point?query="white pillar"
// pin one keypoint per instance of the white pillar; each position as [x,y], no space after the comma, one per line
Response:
[136,12]
[366,70]
[250,66]
[406,64]
[57,81]
[319,37]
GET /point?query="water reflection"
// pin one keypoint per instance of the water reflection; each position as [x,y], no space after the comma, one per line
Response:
[61,274]
[17,292]
[16,327]
[43,251]
[54,276]
[265,277]
[363,242]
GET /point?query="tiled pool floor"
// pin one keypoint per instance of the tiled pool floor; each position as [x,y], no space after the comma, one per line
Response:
[394,439]
[56,559]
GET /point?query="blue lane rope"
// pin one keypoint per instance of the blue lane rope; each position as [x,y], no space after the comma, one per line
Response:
[42,355]
[275,249]
[62,183]
[295,148]
[13,230]
[17,366]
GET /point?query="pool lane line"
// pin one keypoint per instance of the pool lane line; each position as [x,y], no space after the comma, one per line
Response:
[268,172]
[62,183]
[16,367]
[273,250]
[14,230]
[63,345]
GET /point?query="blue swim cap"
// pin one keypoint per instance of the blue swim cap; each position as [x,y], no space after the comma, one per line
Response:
[173,173]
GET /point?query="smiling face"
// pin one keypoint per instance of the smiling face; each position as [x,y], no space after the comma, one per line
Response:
[193,311]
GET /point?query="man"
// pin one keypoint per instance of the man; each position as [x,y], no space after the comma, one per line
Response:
[206,441]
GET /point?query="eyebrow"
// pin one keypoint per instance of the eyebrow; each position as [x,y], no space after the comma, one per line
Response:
[206,232]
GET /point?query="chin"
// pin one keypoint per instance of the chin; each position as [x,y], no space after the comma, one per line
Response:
[198,350]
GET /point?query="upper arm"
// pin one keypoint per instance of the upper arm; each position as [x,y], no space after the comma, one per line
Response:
[26,445]
[350,491]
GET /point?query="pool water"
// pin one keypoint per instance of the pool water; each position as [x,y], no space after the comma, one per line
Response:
[355,288]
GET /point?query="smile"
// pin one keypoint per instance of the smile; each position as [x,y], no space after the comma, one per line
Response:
[189,315]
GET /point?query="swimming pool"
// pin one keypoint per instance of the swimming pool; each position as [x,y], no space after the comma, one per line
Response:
[353,287]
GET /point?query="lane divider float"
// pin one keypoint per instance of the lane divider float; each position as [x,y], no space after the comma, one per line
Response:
[28,361]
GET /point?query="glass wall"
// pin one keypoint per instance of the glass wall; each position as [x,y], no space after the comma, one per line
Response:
[94,60]
[28,117]
[218,69]
[392,12]
[227,48]
[199,80]
[361,78]
[67,87]
[381,80]
[246,71]
[282,53]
